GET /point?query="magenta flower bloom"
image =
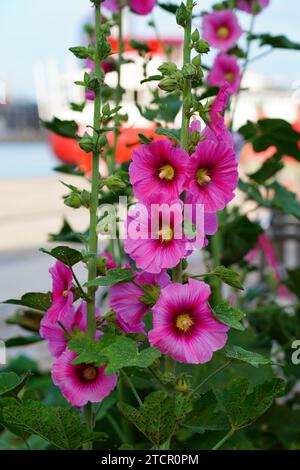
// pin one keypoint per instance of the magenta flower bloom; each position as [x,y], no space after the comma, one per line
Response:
[158,170]
[83,383]
[217,129]
[213,175]
[140,7]
[62,295]
[125,299]
[183,324]
[252,6]
[56,333]
[155,241]
[221,29]
[225,70]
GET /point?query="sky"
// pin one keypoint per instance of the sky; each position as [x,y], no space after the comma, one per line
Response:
[35,30]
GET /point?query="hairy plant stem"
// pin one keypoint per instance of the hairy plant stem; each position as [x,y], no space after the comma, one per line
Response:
[93,239]
[186,107]
[224,439]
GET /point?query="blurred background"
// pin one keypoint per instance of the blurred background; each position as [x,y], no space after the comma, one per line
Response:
[36,81]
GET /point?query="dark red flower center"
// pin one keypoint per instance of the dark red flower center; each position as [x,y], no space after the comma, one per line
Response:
[87,372]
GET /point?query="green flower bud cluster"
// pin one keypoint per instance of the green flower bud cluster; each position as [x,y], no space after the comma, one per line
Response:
[77,198]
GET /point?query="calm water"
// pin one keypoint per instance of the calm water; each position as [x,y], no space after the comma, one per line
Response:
[25,160]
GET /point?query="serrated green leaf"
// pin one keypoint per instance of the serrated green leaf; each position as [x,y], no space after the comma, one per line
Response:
[36,300]
[118,351]
[61,427]
[205,416]
[113,277]
[65,254]
[229,315]
[269,169]
[11,384]
[159,417]
[63,128]
[285,200]
[173,134]
[239,354]
[243,406]
[230,277]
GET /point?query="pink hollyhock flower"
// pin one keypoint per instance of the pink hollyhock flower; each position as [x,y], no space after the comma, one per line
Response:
[56,333]
[158,170]
[183,324]
[140,7]
[212,175]
[252,6]
[125,299]
[83,383]
[62,295]
[263,244]
[154,237]
[225,70]
[221,29]
[105,263]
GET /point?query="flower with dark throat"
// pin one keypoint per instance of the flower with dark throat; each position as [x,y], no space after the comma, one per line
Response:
[221,29]
[183,324]
[158,172]
[81,383]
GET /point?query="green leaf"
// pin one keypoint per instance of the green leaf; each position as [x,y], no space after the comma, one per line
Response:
[64,128]
[269,169]
[169,7]
[277,42]
[66,234]
[65,254]
[285,200]
[68,169]
[119,351]
[205,416]
[82,52]
[229,315]
[230,277]
[272,132]
[61,427]
[139,46]
[173,134]
[239,236]
[159,417]
[22,341]
[242,406]
[163,108]
[11,384]
[36,300]
[293,281]
[152,78]
[252,358]
[124,353]
[113,277]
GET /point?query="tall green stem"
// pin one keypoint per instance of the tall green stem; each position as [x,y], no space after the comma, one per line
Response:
[93,242]
[93,239]
[186,106]
[216,248]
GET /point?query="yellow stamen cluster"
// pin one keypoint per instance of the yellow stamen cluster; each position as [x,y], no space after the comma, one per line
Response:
[229,77]
[65,293]
[202,177]
[166,234]
[167,172]
[223,32]
[184,322]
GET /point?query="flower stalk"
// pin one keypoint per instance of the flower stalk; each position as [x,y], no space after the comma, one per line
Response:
[93,240]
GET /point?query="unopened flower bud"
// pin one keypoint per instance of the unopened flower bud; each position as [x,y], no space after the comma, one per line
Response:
[195,36]
[182,385]
[168,84]
[202,47]
[189,71]
[197,61]
[151,294]
[167,68]
[182,15]
[73,200]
